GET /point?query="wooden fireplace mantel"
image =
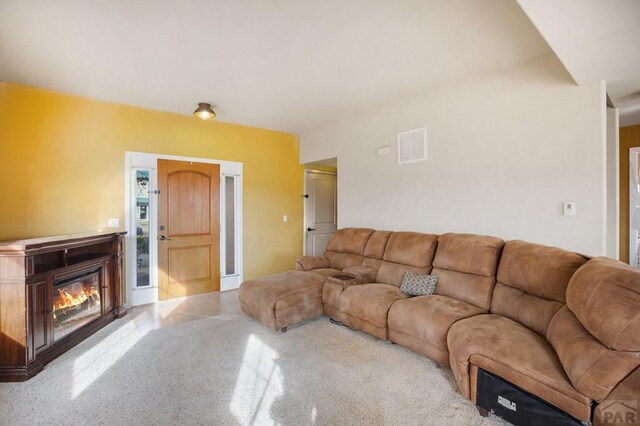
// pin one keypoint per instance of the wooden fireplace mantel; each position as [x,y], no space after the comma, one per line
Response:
[28,270]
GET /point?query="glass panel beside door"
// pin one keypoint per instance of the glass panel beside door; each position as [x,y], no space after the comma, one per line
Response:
[229,220]
[141,240]
[142,214]
[231,236]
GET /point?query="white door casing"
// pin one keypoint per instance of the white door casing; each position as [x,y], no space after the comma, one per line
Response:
[634,207]
[321,210]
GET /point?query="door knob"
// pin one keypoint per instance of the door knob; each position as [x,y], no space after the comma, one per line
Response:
[163,238]
[311,229]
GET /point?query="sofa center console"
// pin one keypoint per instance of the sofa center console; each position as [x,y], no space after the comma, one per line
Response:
[345,280]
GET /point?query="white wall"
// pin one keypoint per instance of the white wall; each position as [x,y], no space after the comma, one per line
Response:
[613,183]
[504,152]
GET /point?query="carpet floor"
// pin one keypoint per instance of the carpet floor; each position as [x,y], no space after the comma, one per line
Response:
[230,370]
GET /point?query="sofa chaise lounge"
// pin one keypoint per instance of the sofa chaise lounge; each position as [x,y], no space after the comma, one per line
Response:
[556,324]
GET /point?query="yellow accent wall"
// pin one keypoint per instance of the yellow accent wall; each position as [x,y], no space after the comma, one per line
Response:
[62,168]
[629,138]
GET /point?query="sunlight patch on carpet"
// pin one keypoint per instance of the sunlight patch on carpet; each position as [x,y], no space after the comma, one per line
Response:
[259,384]
[92,364]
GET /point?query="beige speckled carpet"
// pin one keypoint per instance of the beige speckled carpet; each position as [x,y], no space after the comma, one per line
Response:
[230,370]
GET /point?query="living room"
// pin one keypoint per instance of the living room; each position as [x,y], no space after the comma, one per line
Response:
[525,116]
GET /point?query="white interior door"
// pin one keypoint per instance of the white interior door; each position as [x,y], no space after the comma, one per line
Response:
[321,211]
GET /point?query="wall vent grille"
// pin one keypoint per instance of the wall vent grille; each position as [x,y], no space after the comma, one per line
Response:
[412,146]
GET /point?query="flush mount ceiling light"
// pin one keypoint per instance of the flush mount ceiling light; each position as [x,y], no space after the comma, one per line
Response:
[204,111]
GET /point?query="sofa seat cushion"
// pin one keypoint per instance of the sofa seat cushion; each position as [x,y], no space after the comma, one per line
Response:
[422,323]
[282,299]
[369,303]
[518,355]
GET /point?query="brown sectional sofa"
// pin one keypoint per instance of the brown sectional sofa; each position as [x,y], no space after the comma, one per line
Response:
[556,324]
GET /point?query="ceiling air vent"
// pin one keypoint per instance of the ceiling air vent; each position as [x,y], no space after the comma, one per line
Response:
[412,146]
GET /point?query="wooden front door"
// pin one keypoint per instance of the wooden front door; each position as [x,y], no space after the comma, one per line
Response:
[188,228]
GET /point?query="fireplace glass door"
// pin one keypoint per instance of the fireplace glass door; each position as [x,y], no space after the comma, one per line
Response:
[76,302]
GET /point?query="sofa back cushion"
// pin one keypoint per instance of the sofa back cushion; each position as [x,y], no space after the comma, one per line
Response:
[604,295]
[406,251]
[466,267]
[374,251]
[346,247]
[593,369]
[532,283]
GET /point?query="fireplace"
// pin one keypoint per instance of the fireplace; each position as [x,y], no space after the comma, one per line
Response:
[76,302]
[54,293]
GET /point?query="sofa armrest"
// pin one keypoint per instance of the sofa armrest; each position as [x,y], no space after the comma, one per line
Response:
[364,273]
[307,263]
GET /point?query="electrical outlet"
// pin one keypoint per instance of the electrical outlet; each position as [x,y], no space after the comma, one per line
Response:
[114,222]
[285,218]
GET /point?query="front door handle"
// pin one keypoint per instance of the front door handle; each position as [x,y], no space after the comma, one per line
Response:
[311,229]
[163,238]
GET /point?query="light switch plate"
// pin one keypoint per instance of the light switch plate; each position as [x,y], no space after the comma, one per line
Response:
[114,222]
[285,218]
[569,208]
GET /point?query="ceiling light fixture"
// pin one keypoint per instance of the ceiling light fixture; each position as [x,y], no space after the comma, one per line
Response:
[204,111]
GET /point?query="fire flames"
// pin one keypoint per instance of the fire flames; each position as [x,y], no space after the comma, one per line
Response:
[75,295]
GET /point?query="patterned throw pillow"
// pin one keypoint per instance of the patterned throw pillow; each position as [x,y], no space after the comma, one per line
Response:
[418,285]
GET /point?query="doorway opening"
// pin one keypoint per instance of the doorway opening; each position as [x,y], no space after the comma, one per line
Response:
[634,207]
[171,255]
[320,205]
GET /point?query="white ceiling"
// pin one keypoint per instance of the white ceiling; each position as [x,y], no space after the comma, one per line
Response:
[288,65]
[596,40]
[293,65]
